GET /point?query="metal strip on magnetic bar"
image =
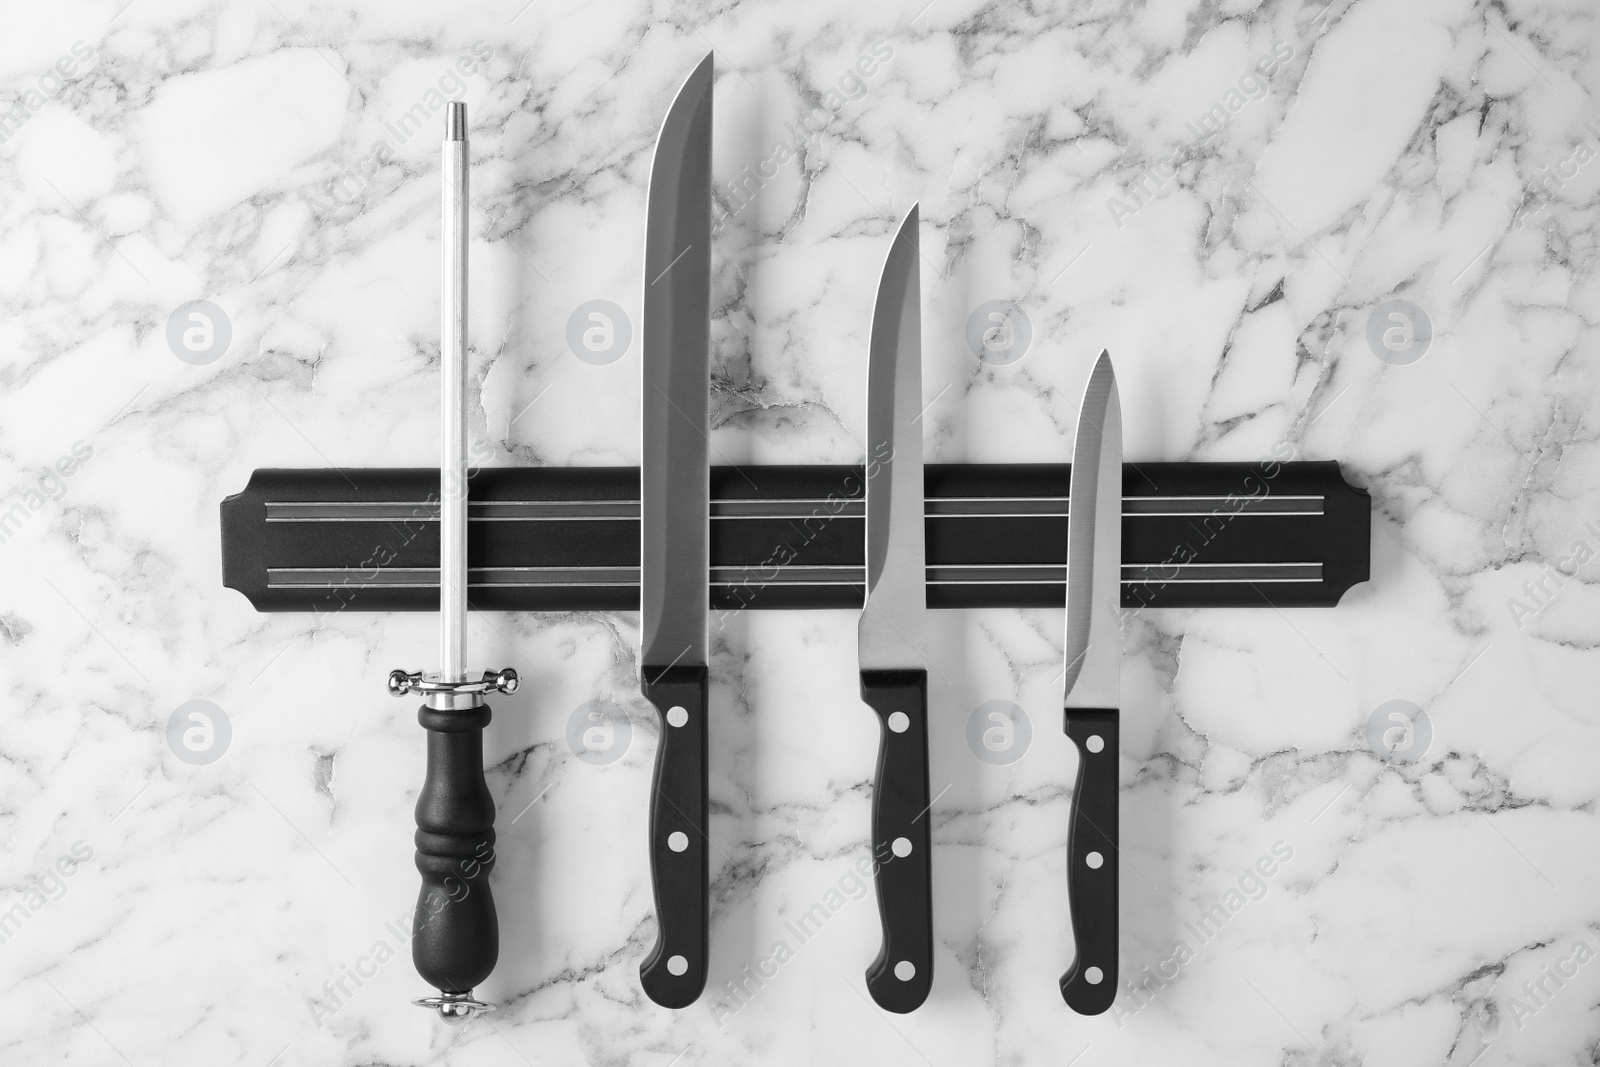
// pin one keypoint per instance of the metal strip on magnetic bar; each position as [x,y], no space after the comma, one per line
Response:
[842,575]
[939,507]
[425,511]
[989,507]
[428,577]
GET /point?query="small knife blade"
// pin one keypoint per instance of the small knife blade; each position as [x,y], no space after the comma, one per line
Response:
[674,561]
[892,634]
[1093,689]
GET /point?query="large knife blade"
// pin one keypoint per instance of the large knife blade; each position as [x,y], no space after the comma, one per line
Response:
[1093,689]
[893,633]
[675,534]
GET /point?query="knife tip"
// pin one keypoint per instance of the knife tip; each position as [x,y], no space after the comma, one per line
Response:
[909,224]
[697,86]
[1102,383]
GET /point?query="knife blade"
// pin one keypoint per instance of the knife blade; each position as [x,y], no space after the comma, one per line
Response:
[674,559]
[892,634]
[1093,689]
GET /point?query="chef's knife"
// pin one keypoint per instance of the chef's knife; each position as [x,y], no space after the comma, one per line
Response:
[675,533]
[1093,689]
[893,633]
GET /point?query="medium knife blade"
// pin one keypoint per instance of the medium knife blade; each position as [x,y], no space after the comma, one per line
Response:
[893,629]
[674,563]
[1093,689]
[893,633]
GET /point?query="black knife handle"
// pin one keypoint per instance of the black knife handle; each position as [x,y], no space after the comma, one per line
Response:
[675,972]
[899,979]
[455,935]
[1091,985]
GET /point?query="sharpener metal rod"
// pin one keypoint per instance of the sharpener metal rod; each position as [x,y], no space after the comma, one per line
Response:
[455,938]
[453,422]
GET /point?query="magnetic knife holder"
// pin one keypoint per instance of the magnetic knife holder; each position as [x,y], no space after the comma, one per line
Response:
[1266,534]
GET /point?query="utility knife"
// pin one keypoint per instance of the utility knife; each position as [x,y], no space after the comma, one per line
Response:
[1093,689]
[893,633]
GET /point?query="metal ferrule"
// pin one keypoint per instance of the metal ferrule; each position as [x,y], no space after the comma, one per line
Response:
[442,695]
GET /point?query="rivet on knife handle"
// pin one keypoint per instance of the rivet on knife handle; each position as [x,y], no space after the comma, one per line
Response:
[900,978]
[1091,984]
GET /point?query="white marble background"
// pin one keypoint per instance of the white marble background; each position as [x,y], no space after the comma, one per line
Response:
[1436,151]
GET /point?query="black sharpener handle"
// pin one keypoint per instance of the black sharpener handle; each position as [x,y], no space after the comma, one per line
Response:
[675,972]
[900,978]
[1091,985]
[455,935]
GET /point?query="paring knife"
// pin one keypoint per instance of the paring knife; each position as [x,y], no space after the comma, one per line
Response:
[675,555]
[893,633]
[1093,689]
